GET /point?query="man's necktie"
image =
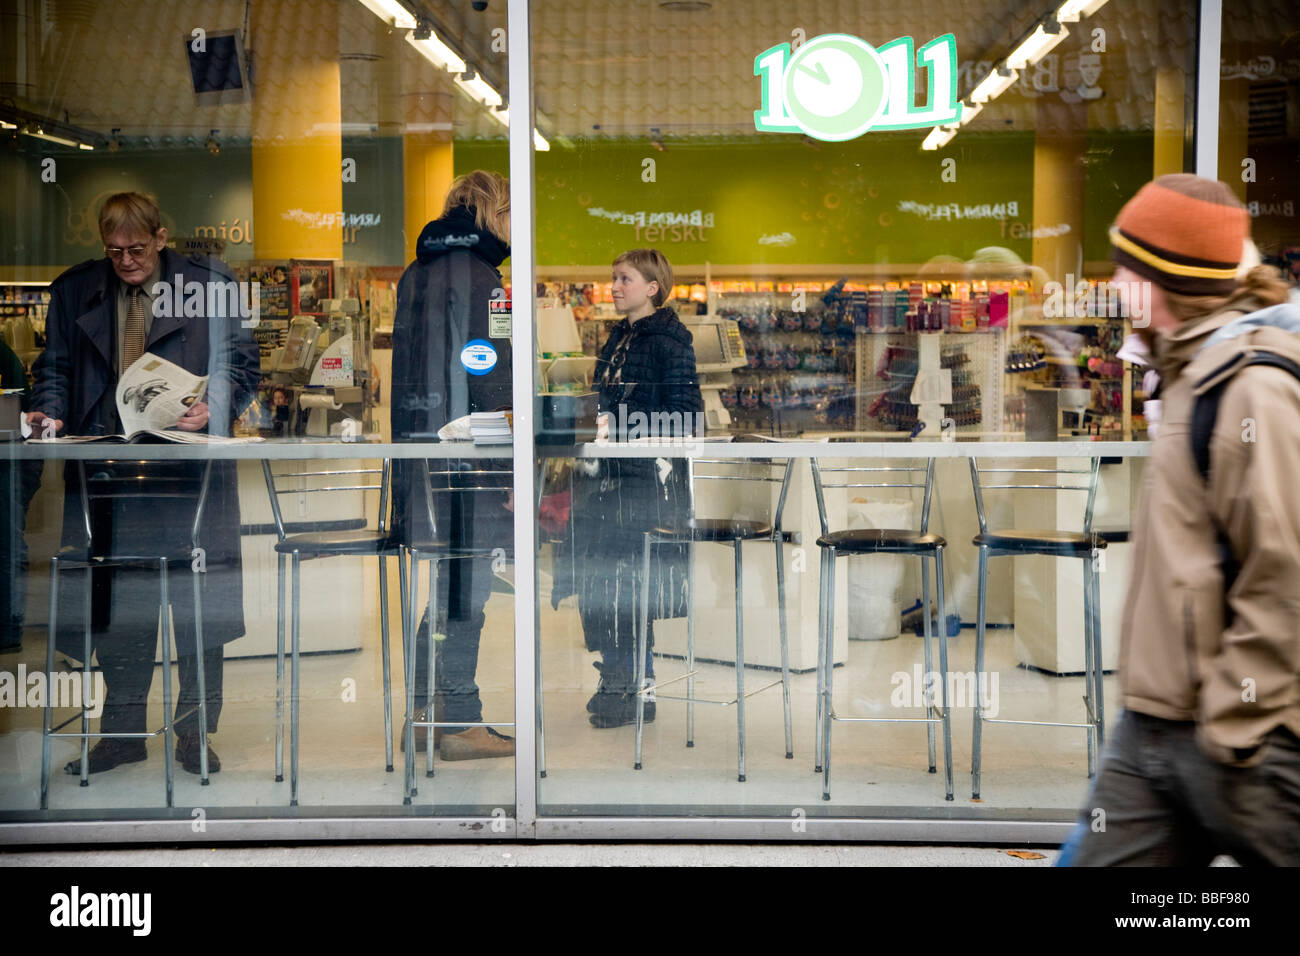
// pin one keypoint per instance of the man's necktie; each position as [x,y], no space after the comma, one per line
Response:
[133,334]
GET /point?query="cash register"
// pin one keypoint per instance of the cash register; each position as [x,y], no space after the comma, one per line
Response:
[568,404]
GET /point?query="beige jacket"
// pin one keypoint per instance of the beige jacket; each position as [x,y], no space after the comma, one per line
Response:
[1179,660]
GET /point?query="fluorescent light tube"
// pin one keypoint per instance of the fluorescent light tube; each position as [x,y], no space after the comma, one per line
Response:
[993,85]
[969,112]
[437,53]
[1036,46]
[479,89]
[390,11]
[938,137]
[539,141]
[61,140]
[1072,11]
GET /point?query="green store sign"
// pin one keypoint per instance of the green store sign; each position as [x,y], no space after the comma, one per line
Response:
[836,87]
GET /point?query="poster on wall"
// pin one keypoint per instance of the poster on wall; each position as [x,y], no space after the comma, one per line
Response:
[311,282]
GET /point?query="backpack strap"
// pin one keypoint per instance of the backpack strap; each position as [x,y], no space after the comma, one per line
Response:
[1205,412]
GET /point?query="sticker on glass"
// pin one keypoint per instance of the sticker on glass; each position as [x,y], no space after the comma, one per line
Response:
[478,357]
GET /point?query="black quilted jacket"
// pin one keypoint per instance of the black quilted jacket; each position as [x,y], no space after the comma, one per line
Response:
[658,373]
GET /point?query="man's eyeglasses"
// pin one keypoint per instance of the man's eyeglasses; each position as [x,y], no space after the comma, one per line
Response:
[116,252]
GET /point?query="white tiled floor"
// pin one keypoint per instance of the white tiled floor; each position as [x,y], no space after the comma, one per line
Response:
[875,765]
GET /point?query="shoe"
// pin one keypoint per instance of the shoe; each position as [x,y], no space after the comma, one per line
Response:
[617,710]
[475,743]
[108,754]
[422,733]
[189,753]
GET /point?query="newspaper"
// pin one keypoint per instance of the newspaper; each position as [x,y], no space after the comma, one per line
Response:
[154,394]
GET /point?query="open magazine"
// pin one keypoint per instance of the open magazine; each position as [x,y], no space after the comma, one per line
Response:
[152,395]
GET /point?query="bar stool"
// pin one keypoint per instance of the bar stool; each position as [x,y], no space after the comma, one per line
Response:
[352,540]
[1086,546]
[435,549]
[735,532]
[154,485]
[861,541]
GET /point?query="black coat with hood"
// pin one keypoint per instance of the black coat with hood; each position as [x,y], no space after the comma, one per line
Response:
[442,305]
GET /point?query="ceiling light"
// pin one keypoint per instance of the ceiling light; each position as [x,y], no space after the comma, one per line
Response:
[1044,38]
[1071,11]
[5,124]
[539,142]
[437,52]
[969,111]
[479,89]
[939,137]
[40,133]
[391,12]
[993,85]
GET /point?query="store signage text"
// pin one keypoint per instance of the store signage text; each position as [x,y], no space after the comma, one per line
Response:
[836,87]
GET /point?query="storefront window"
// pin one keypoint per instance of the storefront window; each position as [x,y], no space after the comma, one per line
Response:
[882,226]
[308,147]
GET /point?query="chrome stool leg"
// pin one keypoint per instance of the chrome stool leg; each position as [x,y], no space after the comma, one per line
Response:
[785,646]
[1098,662]
[943,667]
[85,677]
[823,656]
[388,688]
[294,679]
[200,664]
[639,647]
[279,672]
[408,662]
[979,669]
[690,644]
[47,720]
[1089,672]
[740,663]
[168,741]
[828,714]
[431,709]
[926,686]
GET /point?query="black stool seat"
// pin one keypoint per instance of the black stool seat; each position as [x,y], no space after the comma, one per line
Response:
[881,541]
[1056,543]
[319,543]
[716,529]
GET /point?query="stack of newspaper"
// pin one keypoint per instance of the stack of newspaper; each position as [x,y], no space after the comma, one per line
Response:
[490,428]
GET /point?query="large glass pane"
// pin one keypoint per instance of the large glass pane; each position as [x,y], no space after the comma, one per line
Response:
[308,147]
[884,224]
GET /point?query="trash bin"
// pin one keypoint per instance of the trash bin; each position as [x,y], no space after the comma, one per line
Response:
[874,611]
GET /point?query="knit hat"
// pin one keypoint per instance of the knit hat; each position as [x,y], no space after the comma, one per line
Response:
[1184,233]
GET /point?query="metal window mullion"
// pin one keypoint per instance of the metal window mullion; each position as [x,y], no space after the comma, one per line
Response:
[522,260]
[1209,37]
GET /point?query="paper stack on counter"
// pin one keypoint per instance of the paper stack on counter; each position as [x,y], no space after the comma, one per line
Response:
[490,428]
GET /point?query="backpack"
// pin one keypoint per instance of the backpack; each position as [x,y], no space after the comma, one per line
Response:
[1205,412]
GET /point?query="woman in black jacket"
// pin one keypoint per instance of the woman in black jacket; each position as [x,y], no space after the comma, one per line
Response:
[647,385]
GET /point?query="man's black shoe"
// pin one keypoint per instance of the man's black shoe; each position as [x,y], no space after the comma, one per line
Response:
[108,754]
[189,751]
[617,710]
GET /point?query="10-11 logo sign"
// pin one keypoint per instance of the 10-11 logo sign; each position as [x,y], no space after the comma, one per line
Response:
[836,86]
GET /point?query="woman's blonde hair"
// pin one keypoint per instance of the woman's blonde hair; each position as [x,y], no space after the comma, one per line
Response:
[134,212]
[488,194]
[1261,282]
[654,267]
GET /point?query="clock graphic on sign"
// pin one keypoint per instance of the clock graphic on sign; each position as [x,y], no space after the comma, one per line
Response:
[836,86]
